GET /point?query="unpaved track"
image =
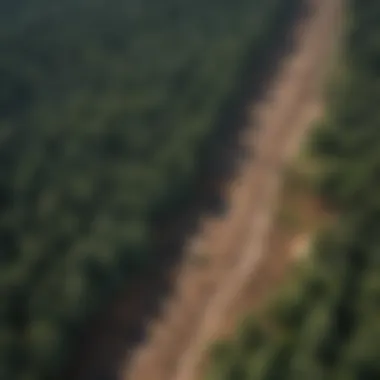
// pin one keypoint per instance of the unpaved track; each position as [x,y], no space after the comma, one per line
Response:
[193,316]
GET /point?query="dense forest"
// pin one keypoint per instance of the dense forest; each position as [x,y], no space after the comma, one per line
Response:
[325,324]
[105,110]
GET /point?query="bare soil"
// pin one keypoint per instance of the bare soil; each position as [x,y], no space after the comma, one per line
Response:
[237,258]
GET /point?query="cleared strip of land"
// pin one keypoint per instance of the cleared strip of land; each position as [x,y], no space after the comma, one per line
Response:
[231,246]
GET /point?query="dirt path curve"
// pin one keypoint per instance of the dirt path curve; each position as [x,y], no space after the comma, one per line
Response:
[231,245]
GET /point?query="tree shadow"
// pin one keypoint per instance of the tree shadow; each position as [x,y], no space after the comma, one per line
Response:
[121,324]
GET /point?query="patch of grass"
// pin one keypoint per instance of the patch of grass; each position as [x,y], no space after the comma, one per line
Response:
[299,192]
[288,218]
[200,259]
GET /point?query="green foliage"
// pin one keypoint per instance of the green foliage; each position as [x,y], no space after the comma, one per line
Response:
[105,110]
[330,312]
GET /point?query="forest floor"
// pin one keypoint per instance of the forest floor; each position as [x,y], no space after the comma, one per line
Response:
[238,258]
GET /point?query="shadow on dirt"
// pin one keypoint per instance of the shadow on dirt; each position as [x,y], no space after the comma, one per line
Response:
[121,325]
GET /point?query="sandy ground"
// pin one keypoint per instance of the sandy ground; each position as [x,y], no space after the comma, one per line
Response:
[214,282]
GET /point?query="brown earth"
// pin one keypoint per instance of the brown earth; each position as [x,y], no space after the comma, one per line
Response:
[236,259]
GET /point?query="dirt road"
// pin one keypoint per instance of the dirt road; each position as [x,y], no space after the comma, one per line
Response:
[223,257]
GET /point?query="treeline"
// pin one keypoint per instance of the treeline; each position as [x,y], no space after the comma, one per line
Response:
[105,108]
[326,324]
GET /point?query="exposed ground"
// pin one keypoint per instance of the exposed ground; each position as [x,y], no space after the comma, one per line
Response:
[237,258]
